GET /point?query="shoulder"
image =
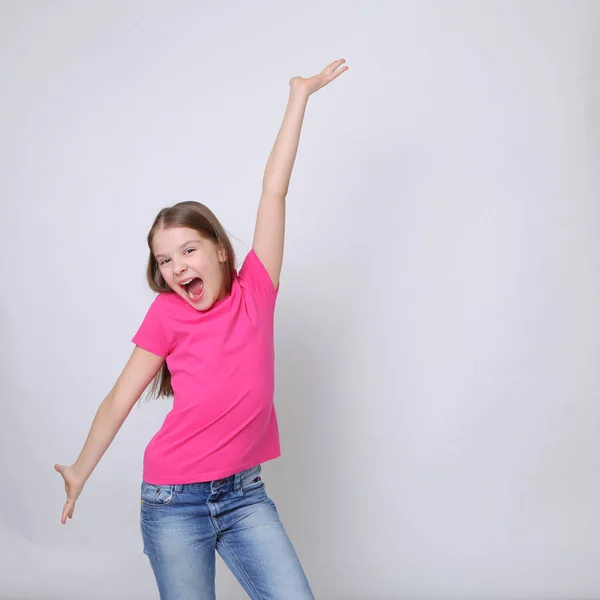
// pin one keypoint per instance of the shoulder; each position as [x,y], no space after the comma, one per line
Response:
[165,307]
[152,333]
[167,302]
[254,276]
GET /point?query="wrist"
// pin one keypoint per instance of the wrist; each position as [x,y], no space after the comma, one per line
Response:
[80,472]
[299,92]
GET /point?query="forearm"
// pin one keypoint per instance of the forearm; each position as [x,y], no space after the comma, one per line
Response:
[281,160]
[107,422]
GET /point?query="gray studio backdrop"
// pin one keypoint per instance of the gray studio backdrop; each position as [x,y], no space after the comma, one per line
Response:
[437,330]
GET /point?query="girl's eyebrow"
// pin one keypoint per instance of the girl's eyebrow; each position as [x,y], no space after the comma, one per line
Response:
[182,245]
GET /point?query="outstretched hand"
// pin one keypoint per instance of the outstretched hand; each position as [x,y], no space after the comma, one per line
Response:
[73,486]
[316,82]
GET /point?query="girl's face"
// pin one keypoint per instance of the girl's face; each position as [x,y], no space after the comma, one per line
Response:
[191,265]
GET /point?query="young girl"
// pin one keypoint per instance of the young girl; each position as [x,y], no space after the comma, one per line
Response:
[209,332]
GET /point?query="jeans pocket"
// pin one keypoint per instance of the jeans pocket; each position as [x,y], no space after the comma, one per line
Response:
[156,495]
[251,480]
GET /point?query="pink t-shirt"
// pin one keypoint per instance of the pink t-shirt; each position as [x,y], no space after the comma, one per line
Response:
[221,361]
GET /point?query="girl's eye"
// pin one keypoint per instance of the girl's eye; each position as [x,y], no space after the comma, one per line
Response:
[164,261]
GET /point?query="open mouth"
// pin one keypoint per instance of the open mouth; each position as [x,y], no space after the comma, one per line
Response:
[194,288]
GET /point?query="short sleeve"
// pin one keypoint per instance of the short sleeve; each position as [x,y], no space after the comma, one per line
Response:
[254,275]
[151,334]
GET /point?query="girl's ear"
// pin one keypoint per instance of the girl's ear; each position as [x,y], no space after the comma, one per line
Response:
[222,254]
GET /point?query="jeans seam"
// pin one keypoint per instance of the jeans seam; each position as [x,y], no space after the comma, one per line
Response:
[242,570]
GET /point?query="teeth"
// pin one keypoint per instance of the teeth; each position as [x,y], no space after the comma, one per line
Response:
[187,281]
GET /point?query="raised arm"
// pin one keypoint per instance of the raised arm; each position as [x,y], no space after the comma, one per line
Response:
[270,220]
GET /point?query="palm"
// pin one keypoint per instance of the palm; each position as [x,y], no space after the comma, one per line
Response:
[316,82]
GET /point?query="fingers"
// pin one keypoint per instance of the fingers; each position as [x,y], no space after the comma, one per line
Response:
[67,511]
[334,65]
[69,507]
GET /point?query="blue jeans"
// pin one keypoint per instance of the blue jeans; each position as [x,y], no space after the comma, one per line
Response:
[183,525]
